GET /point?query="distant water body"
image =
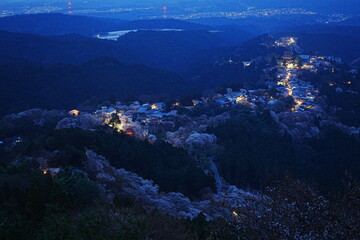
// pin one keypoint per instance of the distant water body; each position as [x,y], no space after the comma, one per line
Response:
[116,34]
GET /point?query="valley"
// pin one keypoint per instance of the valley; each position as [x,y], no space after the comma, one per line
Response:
[185,121]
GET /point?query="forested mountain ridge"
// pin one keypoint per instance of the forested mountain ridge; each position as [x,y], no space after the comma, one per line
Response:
[61,49]
[43,24]
[66,86]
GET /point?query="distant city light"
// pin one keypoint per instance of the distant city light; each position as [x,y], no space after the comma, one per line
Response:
[70,7]
[154,107]
[164,9]
[235,214]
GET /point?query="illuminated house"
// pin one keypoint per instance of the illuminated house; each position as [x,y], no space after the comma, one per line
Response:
[234,96]
[108,111]
[74,112]
[247,63]
[241,100]
[288,57]
[52,171]
[196,102]
[158,106]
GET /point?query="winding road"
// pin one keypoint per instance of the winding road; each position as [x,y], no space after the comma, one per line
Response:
[215,170]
